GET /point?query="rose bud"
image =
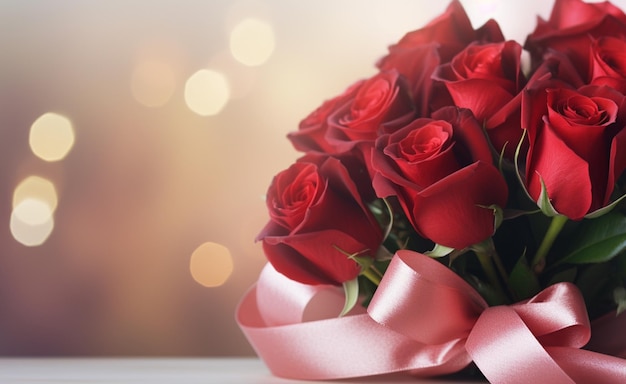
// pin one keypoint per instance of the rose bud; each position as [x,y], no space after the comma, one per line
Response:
[442,173]
[317,219]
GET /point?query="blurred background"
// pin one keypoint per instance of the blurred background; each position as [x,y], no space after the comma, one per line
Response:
[137,140]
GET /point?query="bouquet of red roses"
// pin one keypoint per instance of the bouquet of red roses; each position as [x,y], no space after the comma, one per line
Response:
[465,209]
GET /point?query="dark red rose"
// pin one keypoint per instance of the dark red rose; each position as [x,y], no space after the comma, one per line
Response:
[315,211]
[608,65]
[419,52]
[570,28]
[442,173]
[577,146]
[487,79]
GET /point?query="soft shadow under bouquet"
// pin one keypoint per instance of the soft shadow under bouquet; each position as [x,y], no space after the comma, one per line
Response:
[468,201]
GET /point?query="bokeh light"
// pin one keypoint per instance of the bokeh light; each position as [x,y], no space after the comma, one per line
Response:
[51,136]
[207,92]
[211,264]
[252,41]
[31,222]
[32,211]
[241,78]
[153,83]
[36,187]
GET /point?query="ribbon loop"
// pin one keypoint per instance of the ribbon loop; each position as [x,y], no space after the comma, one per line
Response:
[506,351]
[557,316]
[282,301]
[420,298]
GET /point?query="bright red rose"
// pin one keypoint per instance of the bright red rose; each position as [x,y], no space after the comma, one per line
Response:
[577,146]
[418,53]
[315,211]
[486,79]
[570,28]
[608,66]
[442,173]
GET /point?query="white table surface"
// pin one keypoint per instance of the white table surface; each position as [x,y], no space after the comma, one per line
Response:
[156,370]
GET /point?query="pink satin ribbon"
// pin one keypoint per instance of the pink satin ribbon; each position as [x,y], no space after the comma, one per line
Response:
[424,319]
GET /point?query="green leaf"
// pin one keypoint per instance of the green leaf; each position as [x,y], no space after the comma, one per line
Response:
[620,265]
[598,240]
[567,275]
[390,223]
[498,215]
[544,202]
[523,281]
[619,295]
[492,295]
[595,282]
[351,290]
[518,173]
[604,210]
[439,251]
[363,261]
[383,254]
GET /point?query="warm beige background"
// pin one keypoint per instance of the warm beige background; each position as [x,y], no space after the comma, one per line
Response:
[143,187]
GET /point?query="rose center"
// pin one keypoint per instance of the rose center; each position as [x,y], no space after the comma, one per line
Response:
[426,142]
[293,193]
[582,110]
[369,102]
[486,61]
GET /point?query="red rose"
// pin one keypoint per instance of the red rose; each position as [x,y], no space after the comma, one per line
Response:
[570,28]
[442,173]
[311,133]
[315,214]
[486,79]
[347,126]
[379,104]
[608,66]
[577,146]
[419,52]
[366,109]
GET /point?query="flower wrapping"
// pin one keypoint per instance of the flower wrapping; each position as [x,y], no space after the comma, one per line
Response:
[457,212]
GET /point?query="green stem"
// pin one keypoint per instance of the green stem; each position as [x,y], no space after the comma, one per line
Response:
[371,275]
[539,261]
[499,265]
[492,276]
[488,256]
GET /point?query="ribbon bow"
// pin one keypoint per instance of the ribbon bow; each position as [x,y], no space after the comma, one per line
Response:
[426,320]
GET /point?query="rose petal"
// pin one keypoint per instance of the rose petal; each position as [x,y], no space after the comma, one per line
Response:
[454,213]
[324,262]
[565,174]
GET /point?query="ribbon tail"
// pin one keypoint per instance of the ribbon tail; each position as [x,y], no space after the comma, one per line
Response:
[608,336]
[589,367]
